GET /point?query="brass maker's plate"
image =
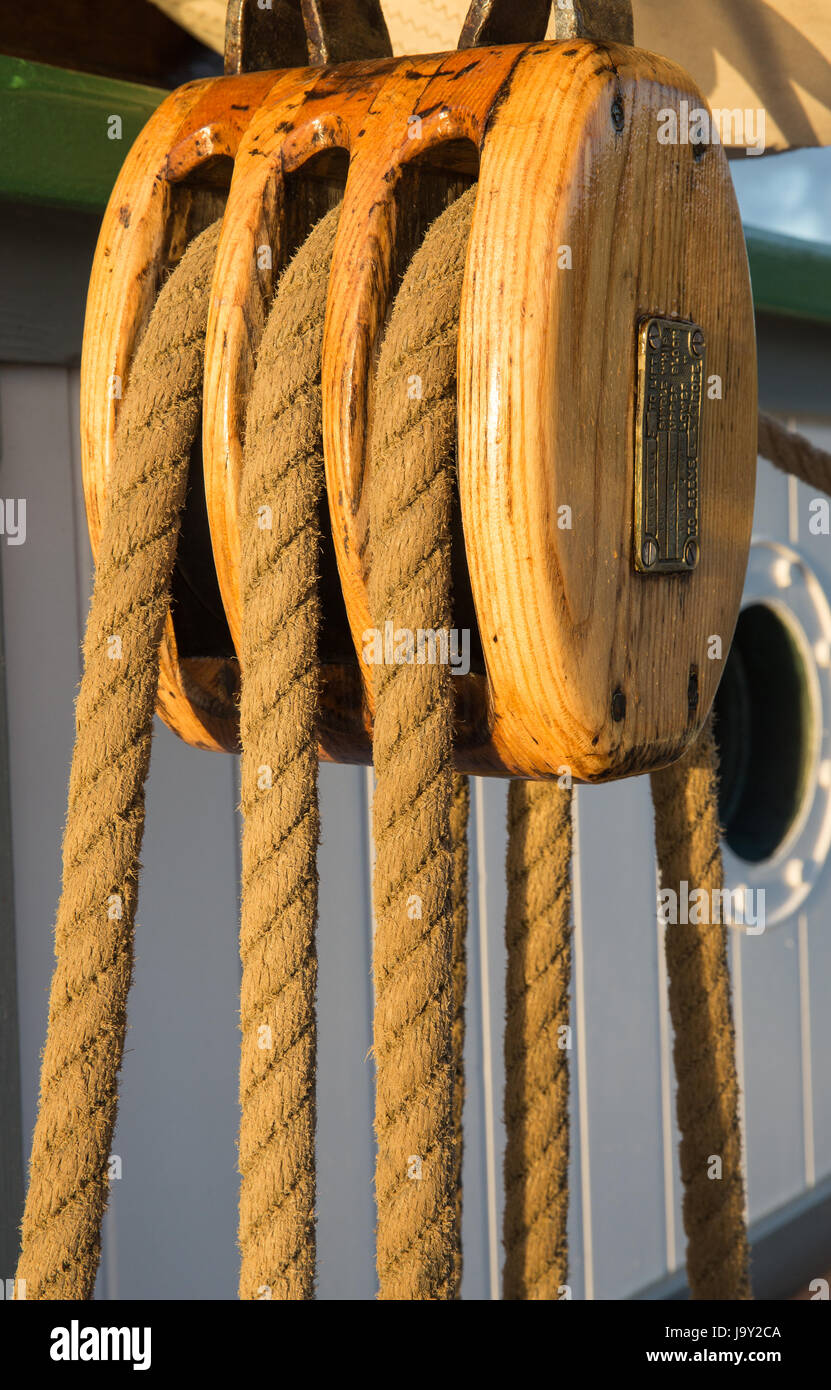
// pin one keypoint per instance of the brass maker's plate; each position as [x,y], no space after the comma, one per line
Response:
[667,429]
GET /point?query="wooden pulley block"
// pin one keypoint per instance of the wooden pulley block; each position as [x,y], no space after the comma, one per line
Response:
[606,369]
[606,424]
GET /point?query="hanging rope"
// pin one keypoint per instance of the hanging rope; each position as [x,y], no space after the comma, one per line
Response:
[538,939]
[418,442]
[793,453]
[281,488]
[420,816]
[157,426]
[688,848]
[413,445]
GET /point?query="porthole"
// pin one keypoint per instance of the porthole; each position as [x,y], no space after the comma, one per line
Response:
[764,718]
[773,727]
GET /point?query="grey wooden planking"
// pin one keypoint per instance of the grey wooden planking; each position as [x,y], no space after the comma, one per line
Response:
[11,1140]
[772,1068]
[174,1207]
[475,1230]
[620,999]
[40,619]
[816,927]
[345,1161]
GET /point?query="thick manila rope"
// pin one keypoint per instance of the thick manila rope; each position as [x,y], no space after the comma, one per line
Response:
[412,450]
[415,443]
[157,427]
[278,506]
[538,940]
[281,487]
[793,453]
[685,798]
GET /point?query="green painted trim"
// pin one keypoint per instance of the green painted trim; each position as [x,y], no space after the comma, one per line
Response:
[790,276]
[55,147]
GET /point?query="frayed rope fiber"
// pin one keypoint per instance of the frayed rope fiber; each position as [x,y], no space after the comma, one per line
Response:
[538,940]
[685,798]
[420,815]
[157,427]
[281,488]
[416,1010]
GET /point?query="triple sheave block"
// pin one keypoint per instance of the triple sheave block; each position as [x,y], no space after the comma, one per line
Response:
[606,427]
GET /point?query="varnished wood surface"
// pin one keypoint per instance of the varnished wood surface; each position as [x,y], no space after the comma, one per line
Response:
[152,214]
[308,117]
[547,389]
[567,137]
[546,412]
[397,185]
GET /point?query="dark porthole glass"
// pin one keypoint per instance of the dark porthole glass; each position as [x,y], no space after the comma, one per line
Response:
[765,735]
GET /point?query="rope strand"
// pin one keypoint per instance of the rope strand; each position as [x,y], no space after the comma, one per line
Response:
[688,848]
[538,940]
[281,488]
[409,584]
[793,453]
[157,427]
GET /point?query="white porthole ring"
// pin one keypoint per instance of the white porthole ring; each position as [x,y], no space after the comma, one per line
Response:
[779,578]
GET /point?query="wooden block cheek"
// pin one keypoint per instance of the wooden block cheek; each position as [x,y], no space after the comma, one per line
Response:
[151,215]
[547,380]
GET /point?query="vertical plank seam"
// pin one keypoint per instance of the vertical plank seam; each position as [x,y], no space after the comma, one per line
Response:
[582,1071]
[736,944]
[487,1041]
[805,1031]
[666,1092]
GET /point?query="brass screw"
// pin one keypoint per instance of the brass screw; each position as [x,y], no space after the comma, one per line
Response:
[649,552]
[691,553]
[697,342]
[653,336]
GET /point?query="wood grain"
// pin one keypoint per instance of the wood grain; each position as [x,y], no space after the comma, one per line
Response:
[546,412]
[585,664]
[547,390]
[286,176]
[169,188]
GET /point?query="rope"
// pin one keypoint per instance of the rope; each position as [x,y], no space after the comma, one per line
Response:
[687,843]
[409,585]
[282,485]
[793,453]
[538,938]
[459,817]
[157,427]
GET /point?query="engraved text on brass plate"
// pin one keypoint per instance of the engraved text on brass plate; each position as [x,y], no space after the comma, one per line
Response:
[667,428]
